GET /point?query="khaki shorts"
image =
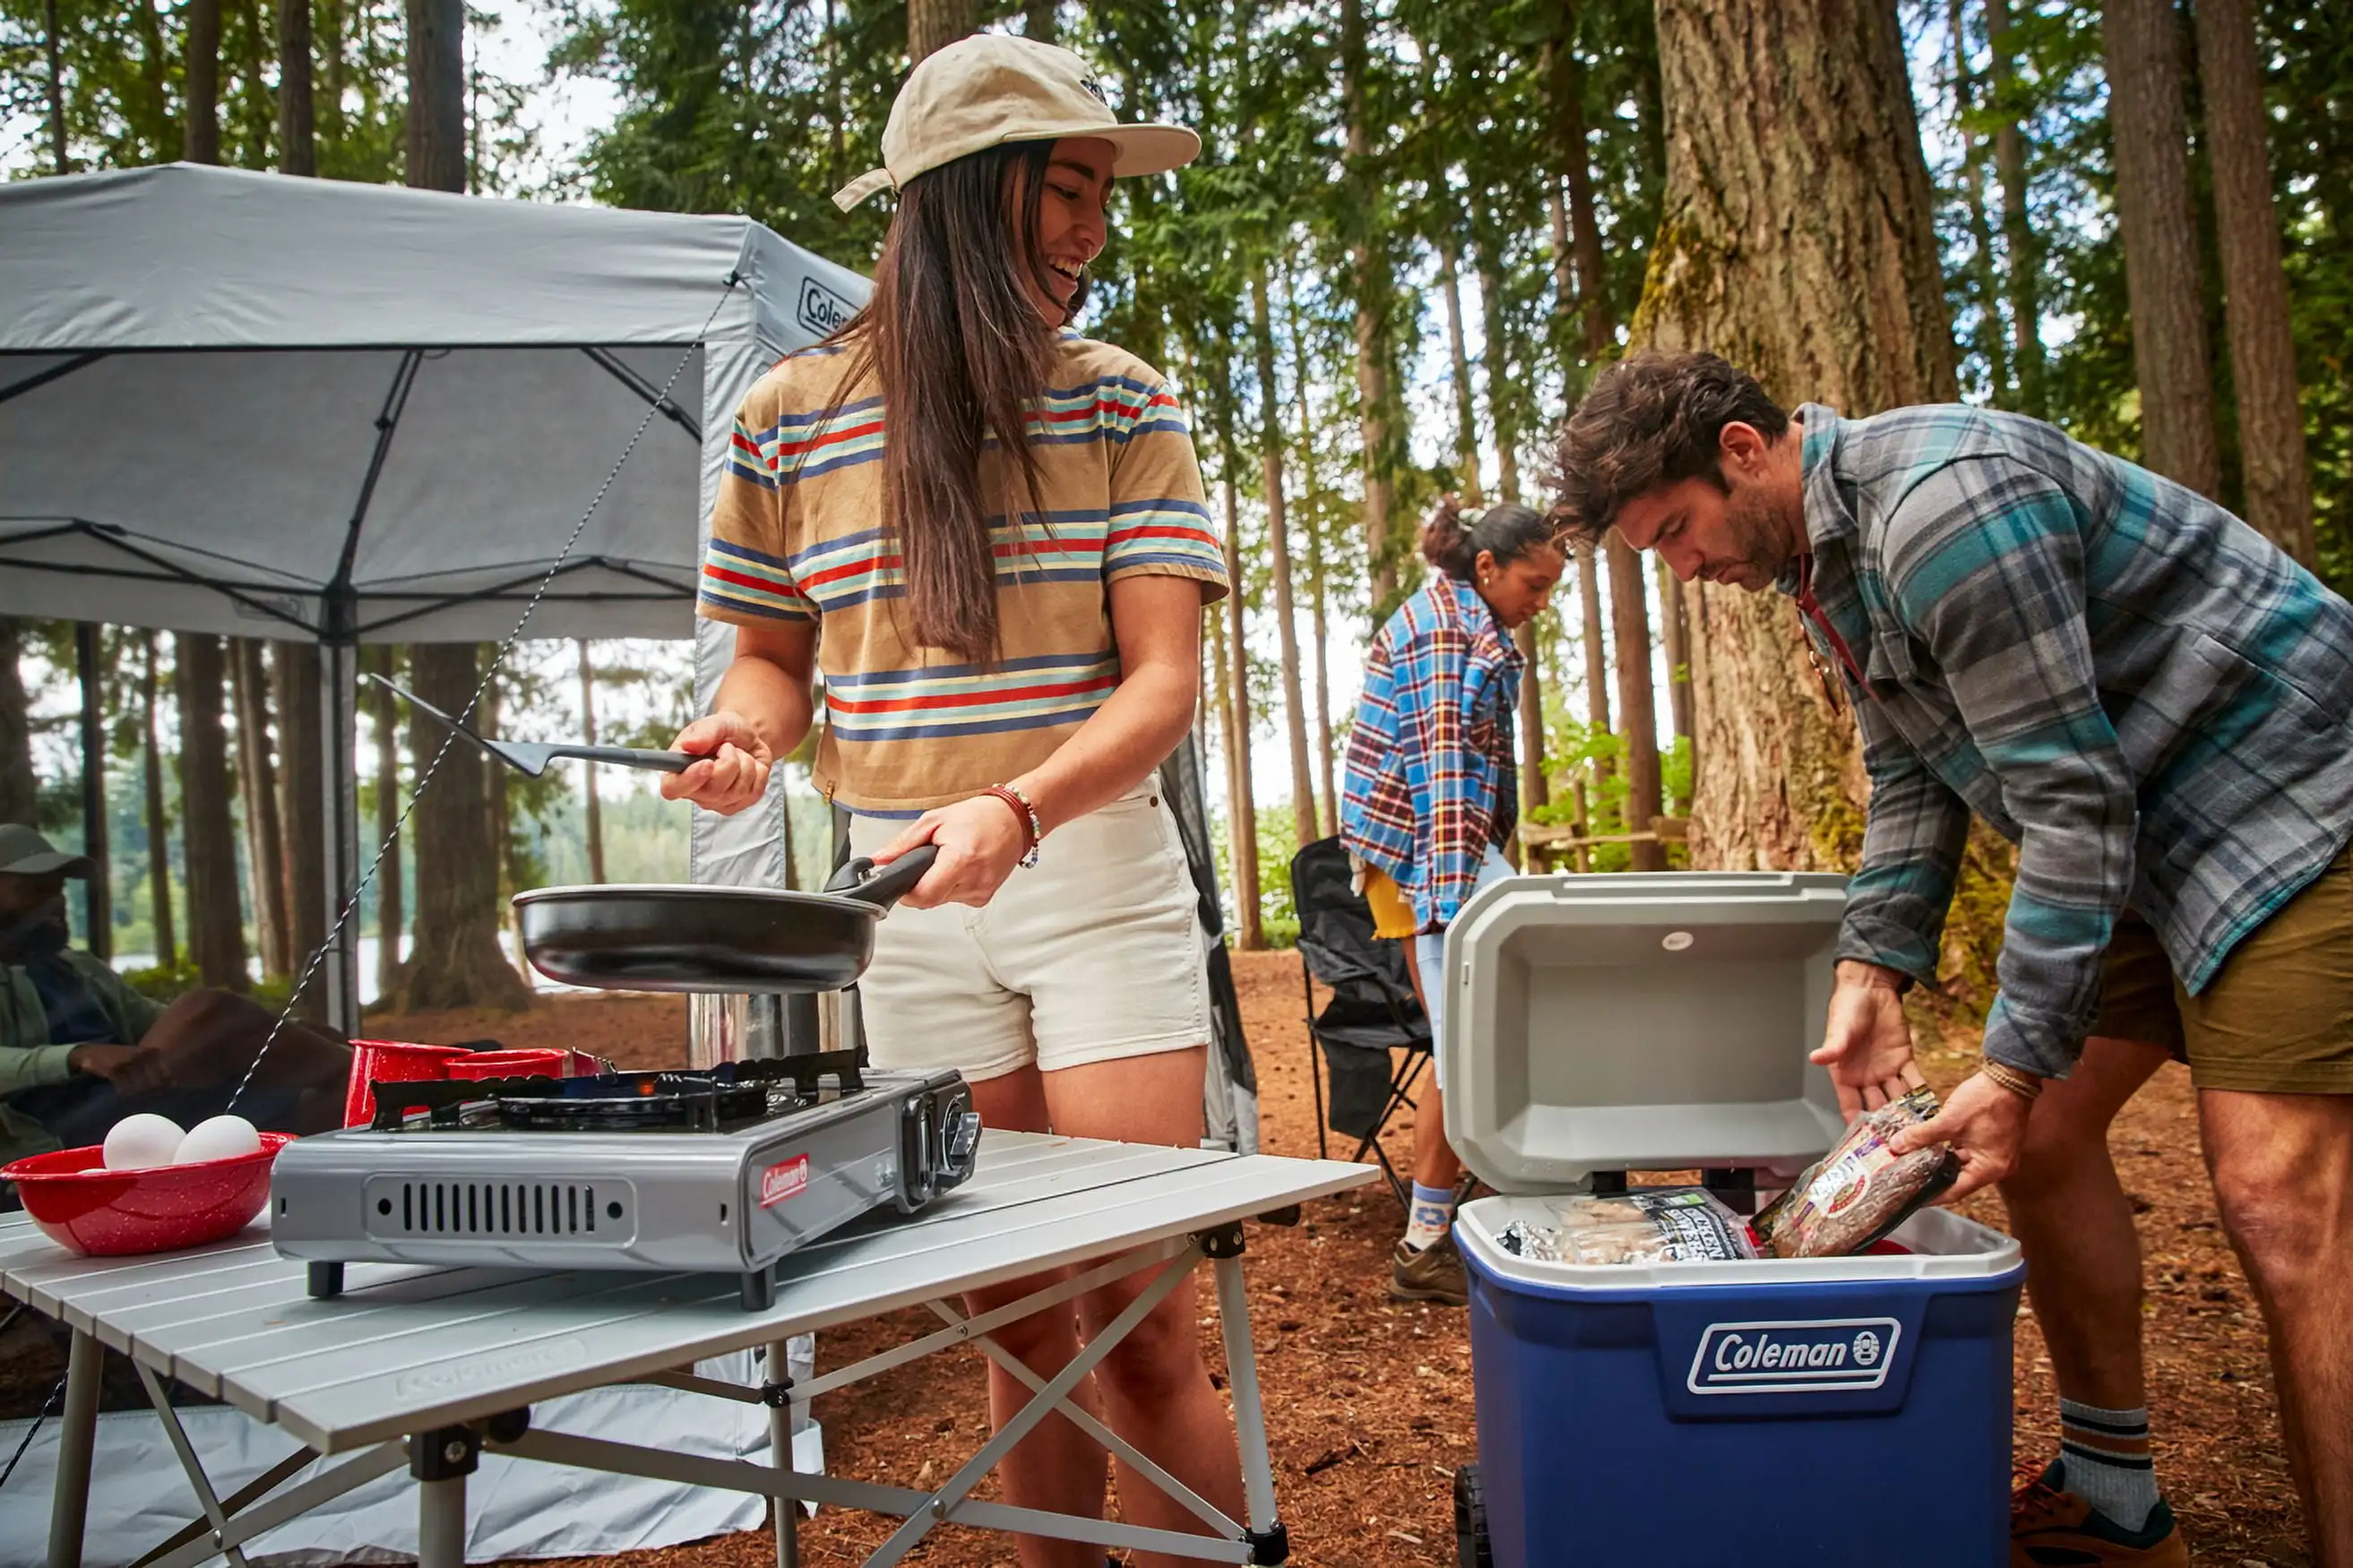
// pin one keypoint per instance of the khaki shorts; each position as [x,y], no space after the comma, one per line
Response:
[2277,1019]
[1094,954]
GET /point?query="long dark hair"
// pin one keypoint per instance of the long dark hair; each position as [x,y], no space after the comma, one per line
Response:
[953,336]
[1454,543]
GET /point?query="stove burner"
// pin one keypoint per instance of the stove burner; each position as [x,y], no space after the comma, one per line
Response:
[707,1101]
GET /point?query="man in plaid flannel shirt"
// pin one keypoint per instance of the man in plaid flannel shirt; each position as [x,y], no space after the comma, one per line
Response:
[2155,705]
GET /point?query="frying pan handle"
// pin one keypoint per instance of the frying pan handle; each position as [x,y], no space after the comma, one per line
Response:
[859,880]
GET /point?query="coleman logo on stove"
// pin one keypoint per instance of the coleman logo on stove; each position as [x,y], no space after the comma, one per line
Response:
[780,1182]
[1811,1357]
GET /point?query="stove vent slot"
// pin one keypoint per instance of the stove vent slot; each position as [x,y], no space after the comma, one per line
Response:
[550,1210]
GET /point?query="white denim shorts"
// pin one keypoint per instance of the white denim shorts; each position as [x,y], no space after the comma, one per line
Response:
[1092,955]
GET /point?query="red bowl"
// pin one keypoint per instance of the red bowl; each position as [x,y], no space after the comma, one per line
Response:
[78,1202]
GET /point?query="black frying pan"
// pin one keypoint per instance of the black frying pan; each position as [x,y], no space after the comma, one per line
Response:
[685,938]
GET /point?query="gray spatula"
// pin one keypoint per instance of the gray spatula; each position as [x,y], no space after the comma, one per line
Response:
[532,757]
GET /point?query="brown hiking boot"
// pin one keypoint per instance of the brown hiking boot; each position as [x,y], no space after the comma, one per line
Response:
[2054,1529]
[1433,1274]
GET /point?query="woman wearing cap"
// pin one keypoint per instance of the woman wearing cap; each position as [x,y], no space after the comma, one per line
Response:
[999,526]
[1430,794]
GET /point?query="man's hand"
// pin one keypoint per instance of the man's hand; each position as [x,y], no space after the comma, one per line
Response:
[734,772]
[131,1070]
[980,841]
[1867,1044]
[1986,1125]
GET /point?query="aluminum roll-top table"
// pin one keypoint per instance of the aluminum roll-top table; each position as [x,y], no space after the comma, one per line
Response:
[423,1367]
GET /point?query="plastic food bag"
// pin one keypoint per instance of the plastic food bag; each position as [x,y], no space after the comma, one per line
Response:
[1647,1224]
[1853,1196]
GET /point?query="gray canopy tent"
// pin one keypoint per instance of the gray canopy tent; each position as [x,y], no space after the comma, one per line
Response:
[339,414]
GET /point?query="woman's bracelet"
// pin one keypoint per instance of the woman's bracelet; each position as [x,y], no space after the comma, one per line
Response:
[1028,815]
[2025,1085]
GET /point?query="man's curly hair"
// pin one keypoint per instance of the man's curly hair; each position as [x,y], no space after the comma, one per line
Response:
[1653,418]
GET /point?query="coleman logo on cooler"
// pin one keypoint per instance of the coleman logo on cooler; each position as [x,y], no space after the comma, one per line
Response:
[1811,1357]
[781,1181]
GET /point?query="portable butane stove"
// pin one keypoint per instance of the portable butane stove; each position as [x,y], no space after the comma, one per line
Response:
[723,1171]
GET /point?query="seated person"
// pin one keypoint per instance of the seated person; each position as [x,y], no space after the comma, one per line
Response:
[80,1049]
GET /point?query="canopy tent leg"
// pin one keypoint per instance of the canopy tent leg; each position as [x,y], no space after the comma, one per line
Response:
[339,779]
[98,887]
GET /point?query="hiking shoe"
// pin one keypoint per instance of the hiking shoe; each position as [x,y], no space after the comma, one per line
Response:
[1433,1274]
[2054,1529]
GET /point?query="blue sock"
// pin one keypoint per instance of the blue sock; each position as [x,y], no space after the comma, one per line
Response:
[1432,1211]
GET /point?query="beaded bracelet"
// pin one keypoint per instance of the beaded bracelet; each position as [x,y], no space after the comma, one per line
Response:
[2023,1084]
[1012,797]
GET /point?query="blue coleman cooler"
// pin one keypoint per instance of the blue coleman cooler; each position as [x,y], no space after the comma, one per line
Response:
[1810,1413]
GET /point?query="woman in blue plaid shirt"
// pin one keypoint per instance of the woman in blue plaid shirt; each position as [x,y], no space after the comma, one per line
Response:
[1432,794]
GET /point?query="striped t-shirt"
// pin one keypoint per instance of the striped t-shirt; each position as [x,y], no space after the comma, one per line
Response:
[796,536]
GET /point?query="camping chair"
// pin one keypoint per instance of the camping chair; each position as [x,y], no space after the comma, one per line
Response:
[1372,1012]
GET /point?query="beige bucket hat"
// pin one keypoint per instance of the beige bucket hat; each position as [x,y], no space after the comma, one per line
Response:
[993,87]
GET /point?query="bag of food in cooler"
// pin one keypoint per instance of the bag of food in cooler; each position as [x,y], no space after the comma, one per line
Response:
[1853,1196]
[1647,1224]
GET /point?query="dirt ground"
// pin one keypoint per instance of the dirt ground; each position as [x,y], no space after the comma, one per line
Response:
[1368,1403]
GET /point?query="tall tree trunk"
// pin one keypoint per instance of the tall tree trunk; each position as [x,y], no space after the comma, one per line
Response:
[159,822]
[297,143]
[1597,658]
[1629,621]
[301,796]
[200,108]
[154,119]
[329,109]
[592,809]
[1317,582]
[935,24]
[1675,634]
[1565,77]
[265,842]
[1278,534]
[1982,269]
[455,960]
[1502,413]
[19,792]
[1037,21]
[1466,418]
[1371,284]
[55,48]
[436,95]
[2017,225]
[391,920]
[2160,228]
[2262,345]
[1803,116]
[216,920]
[1242,813]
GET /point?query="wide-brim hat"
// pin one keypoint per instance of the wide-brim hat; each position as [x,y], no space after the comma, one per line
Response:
[993,88]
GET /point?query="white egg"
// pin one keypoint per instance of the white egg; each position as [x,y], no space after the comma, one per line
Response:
[221,1138]
[138,1141]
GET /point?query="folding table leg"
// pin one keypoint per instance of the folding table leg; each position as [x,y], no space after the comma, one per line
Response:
[1267,1536]
[69,1502]
[441,1523]
[776,1391]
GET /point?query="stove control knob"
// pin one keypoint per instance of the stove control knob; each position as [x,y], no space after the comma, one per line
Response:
[963,1137]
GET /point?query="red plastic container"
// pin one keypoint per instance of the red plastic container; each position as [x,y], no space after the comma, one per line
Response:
[390,1061]
[531,1063]
[75,1200]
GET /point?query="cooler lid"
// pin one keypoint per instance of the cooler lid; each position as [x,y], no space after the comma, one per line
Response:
[1643,1021]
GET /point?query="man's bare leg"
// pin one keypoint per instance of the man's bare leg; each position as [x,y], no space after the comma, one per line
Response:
[2283,1168]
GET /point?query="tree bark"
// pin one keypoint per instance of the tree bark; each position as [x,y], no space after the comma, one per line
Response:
[1278,533]
[2255,286]
[200,112]
[297,142]
[1982,269]
[455,959]
[1566,79]
[934,25]
[19,792]
[391,920]
[1630,620]
[1675,634]
[1318,583]
[1596,658]
[2016,224]
[265,841]
[592,809]
[301,796]
[436,95]
[56,84]
[1503,413]
[216,920]
[1797,239]
[1466,418]
[1369,274]
[2160,228]
[1250,932]
[1038,21]
[159,822]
